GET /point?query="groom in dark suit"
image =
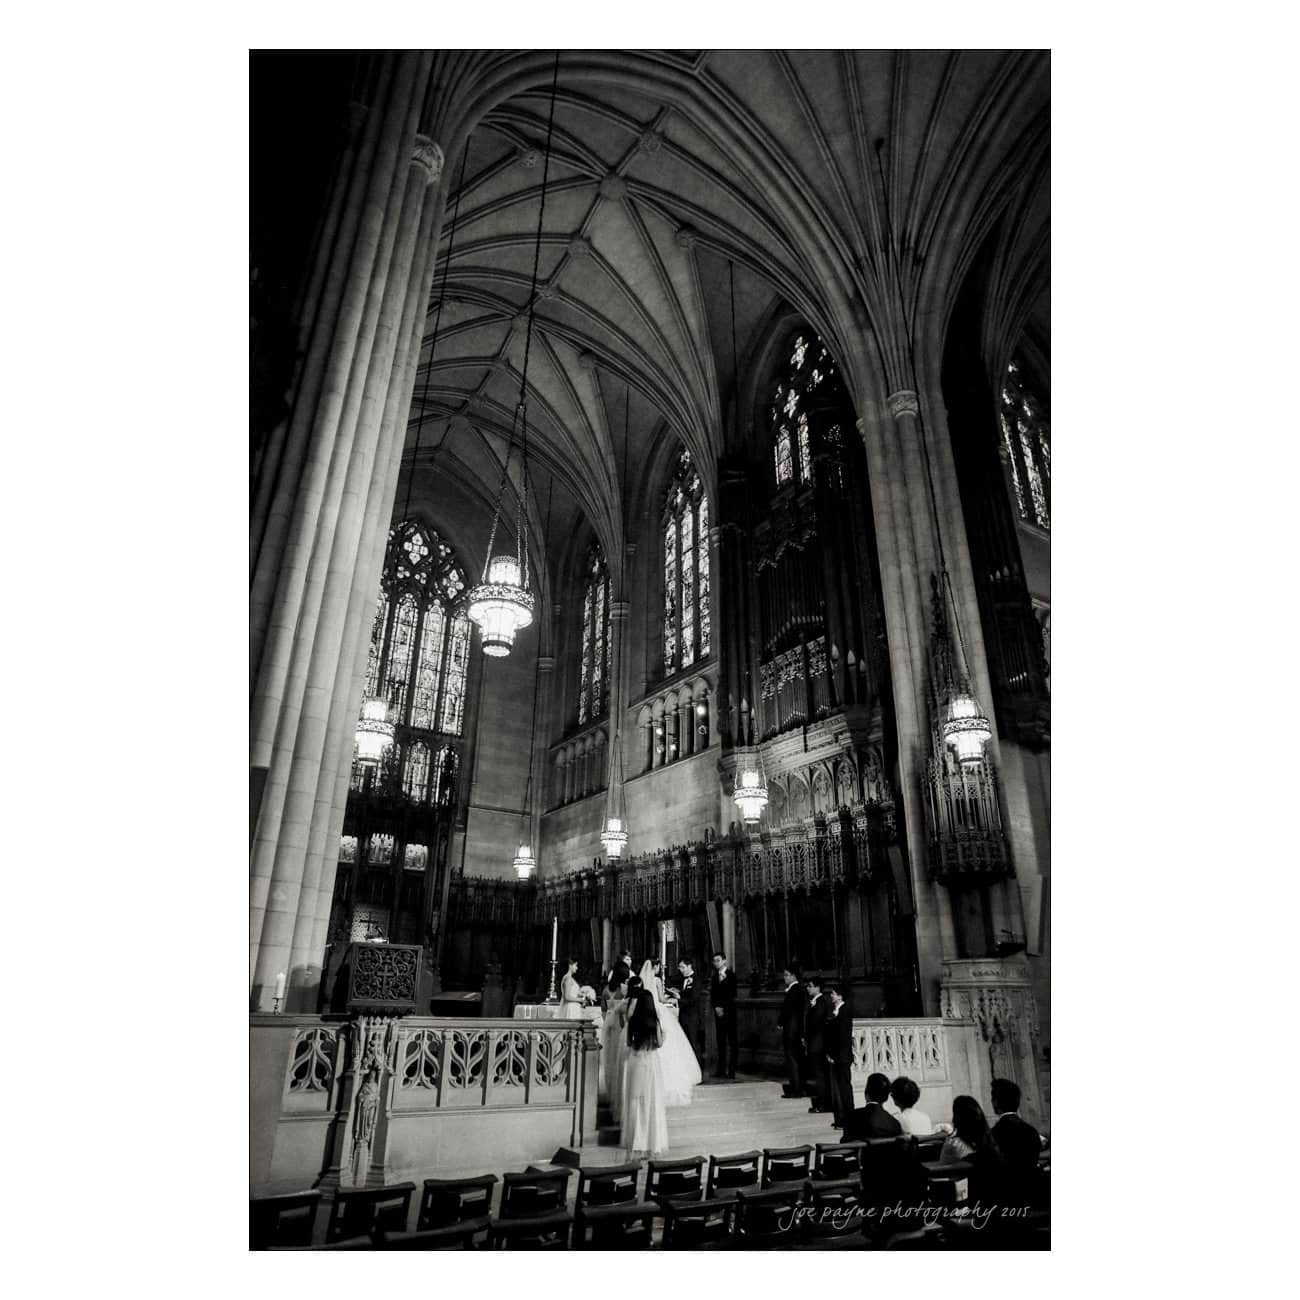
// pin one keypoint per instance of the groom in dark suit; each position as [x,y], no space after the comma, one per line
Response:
[838,1041]
[722,990]
[688,1006]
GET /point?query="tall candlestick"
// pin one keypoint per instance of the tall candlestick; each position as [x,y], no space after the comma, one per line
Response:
[279,985]
[555,934]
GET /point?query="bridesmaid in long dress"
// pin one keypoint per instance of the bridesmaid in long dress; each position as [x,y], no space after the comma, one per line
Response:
[645,1118]
[571,993]
[613,1042]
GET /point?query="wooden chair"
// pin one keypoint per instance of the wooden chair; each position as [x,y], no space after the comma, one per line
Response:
[731,1173]
[699,1225]
[771,1218]
[614,1185]
[838,1209]
[532,1232]
[930,1148]
[454,1236]
[363,1211]
[448,1201]
[675,1180]
[534,1192]
[624,1225]
[948,1185]
[892,1180]
[280,1221]
[607,1214]
[834,1161]
[786,1165]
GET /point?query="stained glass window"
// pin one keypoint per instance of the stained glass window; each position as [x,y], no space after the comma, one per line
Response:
[419,648]
[415,776]
[1026,441]
[807,366]
[593,684]
[687,623]
[453,691]
[446,765]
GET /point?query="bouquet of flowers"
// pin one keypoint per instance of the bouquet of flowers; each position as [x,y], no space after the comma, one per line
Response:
[588,995]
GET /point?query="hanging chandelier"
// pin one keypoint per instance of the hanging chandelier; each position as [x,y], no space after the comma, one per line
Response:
[525,863]
[964,727]
[613,835]
[751,787]
[501,604]
[375,731]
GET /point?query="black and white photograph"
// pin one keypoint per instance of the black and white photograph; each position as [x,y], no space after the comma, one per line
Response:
[650,514]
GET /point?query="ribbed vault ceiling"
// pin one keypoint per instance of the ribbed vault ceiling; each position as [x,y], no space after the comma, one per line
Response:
[671,173]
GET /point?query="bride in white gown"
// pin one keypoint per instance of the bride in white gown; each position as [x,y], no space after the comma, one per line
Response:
[681,1070]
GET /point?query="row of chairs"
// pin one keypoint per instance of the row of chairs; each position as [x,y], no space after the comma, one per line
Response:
[753,1196]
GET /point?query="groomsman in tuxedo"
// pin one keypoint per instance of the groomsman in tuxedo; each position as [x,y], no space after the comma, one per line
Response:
[794,1037]
[722,990]
[688,1007]
[838,1039]
[819,1079]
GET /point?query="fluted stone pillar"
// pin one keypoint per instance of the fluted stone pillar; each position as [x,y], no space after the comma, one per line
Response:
[314,549]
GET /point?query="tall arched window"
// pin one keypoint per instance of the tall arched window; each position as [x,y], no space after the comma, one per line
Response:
[1026,438]
[806,379]
[688,626]
[593,684]
[419,655]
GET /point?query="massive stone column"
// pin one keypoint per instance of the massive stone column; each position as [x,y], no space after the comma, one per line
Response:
[305,622]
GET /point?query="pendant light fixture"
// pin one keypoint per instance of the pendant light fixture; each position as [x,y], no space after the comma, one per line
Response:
[525,863]
[502,604]
[613,835]
[751,786]
[376,727]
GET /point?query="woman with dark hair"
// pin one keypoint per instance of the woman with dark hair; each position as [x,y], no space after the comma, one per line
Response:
[972,1140]
[970,1130]
[571,992]
[905,1094]
[645,1119]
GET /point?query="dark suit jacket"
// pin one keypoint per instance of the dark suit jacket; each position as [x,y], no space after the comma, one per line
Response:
[723,990]
[838,1036]
[1019,1144]
[815,1026]
[688,1004]
[794,1016]
[871,1121]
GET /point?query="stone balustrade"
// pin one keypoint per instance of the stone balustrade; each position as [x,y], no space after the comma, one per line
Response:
[370,1099]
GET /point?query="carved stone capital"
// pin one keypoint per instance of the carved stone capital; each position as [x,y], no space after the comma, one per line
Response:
[429,156]
[545,663]
[903,402]
[619,610]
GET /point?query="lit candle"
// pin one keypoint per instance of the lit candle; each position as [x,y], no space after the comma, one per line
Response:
[555,934]
[279,985]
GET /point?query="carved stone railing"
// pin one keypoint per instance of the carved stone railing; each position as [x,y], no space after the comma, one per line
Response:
[916,1048]
[359,1100]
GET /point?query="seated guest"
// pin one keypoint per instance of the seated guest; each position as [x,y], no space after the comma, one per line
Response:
[1018,1142]
[905,1095]
[872,1120]
[971,1140]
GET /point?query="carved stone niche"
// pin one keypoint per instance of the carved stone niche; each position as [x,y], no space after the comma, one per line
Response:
[996,995]
[383,978]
